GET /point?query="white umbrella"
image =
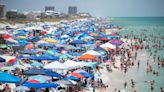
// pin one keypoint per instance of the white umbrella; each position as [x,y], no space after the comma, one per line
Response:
[92,52]
[108,45]
[72,64]
[56,65]
[22,88]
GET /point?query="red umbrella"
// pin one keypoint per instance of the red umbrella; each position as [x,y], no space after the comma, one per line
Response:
[113,34]
[109,60]
[7,36]
[105,39]
[43,32]
[33,81]
[12,61]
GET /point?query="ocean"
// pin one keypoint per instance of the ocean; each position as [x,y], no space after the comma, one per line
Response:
[152,25]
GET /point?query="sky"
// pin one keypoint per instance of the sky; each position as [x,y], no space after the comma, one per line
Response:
[100,8]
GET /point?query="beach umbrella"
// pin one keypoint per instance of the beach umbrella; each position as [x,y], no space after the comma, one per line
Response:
[53,74]
[40,78]
[109,45]
[43,32]
[78,42]
[2,59]
[46,45]
[72,64]
[78,75]
[37,64]
[109,60]
[40,85]
[86,75]
[65,82]
[1,65]
[92,52]
[50,40]
[6,36]
[87,57]
[30,46]
[12,61]
[70,47]
[8,78]
[104,39]
[20,66]
[2,46]
[80,71]
[21,88]
[34,71]
[65,36]
[56,65]
[63,56]
[72,78]
[33,81]
[116,42]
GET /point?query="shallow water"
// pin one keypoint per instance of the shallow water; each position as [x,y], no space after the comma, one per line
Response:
[153,26]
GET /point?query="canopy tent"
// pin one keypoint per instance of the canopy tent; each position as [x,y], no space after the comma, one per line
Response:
[108,45]
[40,85]
[72,64]
[65,82]
[56,65]
[87,57]
[92,52]
[8,78]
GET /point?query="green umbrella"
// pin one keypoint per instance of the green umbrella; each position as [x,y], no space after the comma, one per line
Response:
[50,52]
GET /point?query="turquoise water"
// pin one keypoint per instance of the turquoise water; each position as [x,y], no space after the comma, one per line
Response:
[152,25]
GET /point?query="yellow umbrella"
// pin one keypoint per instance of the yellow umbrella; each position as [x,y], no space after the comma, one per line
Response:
[22,37]
[50,40]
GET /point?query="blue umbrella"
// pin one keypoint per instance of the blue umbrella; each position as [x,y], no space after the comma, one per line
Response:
[40,85]
[78,42]
[2,59]
[72,78]
[8,78]
[37,64]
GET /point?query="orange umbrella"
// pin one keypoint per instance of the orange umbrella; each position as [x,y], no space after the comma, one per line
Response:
[87,57]
[77,75]
[30,46]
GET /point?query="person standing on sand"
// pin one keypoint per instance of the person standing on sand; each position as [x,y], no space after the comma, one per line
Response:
[161,89]
[138,64]
[125,84]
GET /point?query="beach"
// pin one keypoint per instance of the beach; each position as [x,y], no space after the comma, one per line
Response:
[126,57]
